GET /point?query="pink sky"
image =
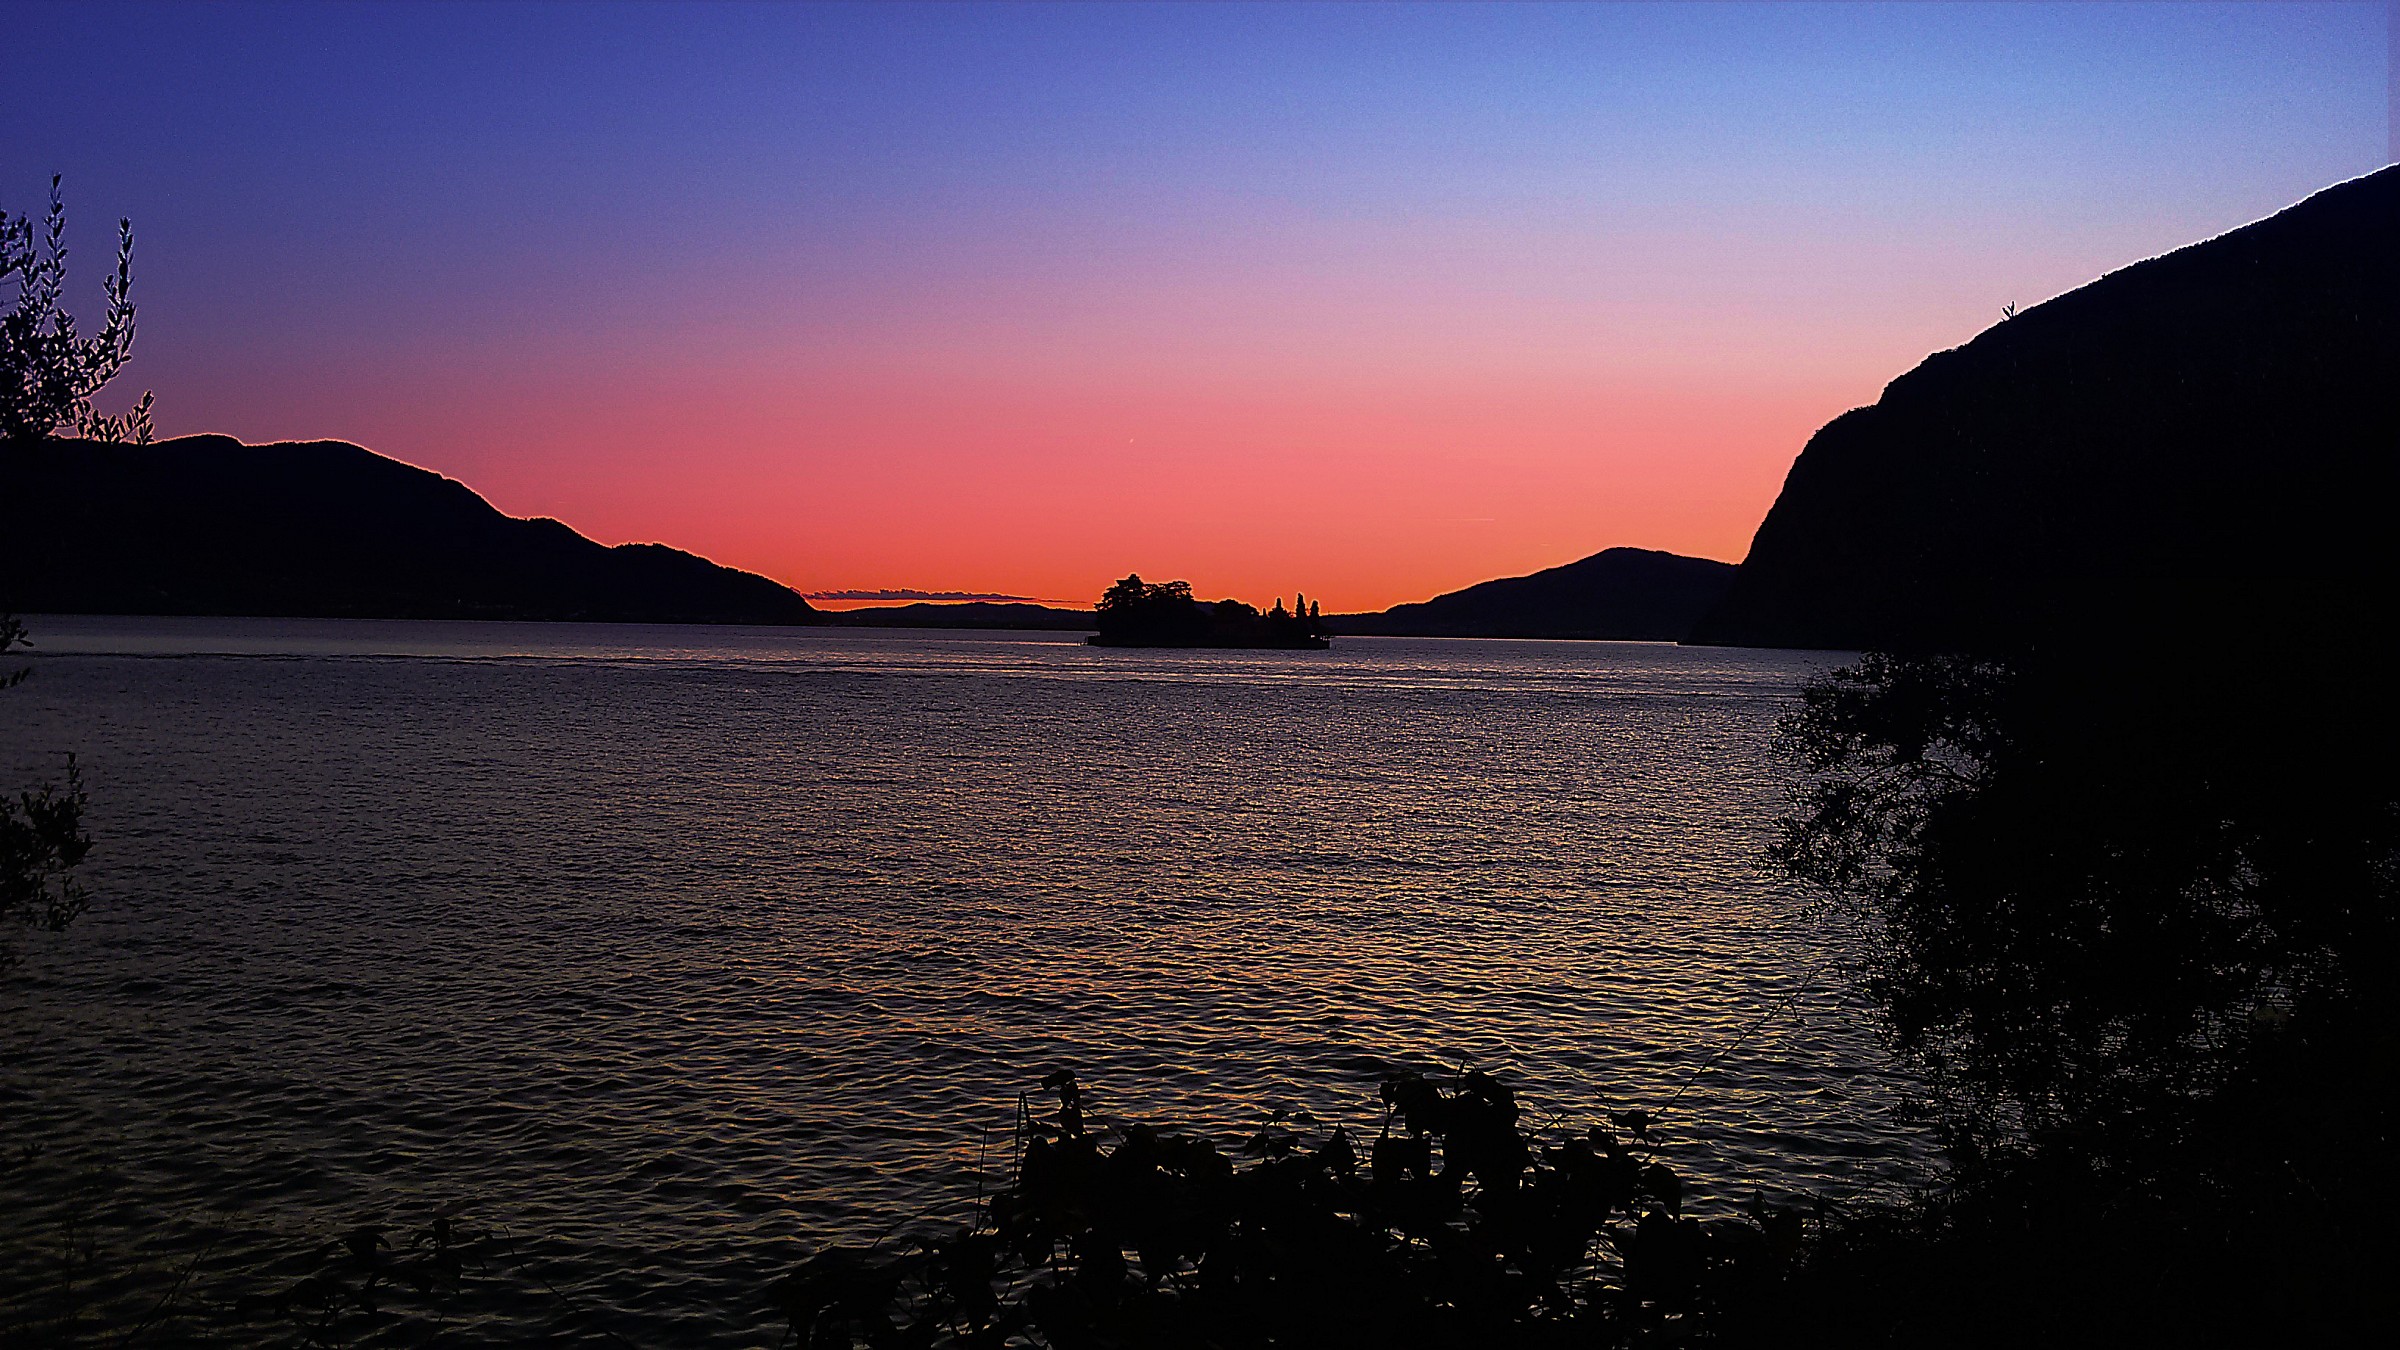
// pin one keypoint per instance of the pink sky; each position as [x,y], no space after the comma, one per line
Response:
[1372,302]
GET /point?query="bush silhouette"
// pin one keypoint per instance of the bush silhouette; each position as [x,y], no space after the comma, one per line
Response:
[47,373]
[2135,914]
[41,841]
[1453,1226]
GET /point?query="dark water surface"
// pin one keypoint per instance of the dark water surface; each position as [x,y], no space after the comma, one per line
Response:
[675,950]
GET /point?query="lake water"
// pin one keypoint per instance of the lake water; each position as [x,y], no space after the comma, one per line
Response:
[678,950]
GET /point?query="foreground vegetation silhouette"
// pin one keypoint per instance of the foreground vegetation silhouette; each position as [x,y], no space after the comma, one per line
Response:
[48,374]
[2136,915]
[42,839]
[1454,1225]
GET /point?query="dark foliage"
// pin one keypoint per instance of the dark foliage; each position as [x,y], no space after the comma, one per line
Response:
[47,373]
[1135,614]
[1621,593]
[2125,818]
[207,525]
[1455,1225]
[2139,920]
[41,841]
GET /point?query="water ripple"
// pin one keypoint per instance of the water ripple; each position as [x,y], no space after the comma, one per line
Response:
[676,950]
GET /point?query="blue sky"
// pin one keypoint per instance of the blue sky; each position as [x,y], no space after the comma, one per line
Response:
[710,273]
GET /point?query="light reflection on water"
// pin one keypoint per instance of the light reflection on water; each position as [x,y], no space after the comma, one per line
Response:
[684,947]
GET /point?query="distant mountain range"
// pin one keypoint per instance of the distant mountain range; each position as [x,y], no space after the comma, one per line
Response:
[208,525]
[2207,442]
[1620,593]
[2203,445]
[968,614]
[1617,593]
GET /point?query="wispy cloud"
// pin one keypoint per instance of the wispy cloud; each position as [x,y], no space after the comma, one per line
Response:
[930,595]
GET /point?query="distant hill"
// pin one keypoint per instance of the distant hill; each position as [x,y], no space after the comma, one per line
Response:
[2205,445]
[1617,593]
[208,525]
[968,614]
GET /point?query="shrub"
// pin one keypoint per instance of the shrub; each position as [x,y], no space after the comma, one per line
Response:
[41,841]
[48,374]
[1453,1226]
[2134,914]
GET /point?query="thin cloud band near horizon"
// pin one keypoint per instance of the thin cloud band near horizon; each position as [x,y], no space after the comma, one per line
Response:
[912,596]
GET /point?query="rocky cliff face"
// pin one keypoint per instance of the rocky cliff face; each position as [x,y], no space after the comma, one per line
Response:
[208,525]
[2202,445]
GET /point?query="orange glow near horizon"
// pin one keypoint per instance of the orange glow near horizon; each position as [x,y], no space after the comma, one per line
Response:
[1373,302]
[1363,497]
[1367,445]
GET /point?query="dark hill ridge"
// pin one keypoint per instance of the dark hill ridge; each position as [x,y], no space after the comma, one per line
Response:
[208,525]
[1631,593]
[2203,444]
[968,614]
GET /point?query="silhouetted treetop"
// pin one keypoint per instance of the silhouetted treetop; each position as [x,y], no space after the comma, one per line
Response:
[1133,613]
[1457,1223]
[48,374]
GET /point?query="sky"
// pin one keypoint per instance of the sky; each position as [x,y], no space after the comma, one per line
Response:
[1370,302]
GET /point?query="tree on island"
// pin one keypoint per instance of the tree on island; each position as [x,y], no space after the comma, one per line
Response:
[48,374]
[1133,613]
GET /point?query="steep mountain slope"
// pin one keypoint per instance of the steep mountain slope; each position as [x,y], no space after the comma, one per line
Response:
[1618,593]
[2205,443]
[208,525]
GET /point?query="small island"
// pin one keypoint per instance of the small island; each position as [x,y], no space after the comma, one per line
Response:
[1136,614]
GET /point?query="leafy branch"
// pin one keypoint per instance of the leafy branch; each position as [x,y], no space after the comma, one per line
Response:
[48,373]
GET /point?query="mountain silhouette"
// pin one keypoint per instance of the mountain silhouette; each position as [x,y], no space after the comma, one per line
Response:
[968,614]
[208,525]
[2204,443]
[1618,593]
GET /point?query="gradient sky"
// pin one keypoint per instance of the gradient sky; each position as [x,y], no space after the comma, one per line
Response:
[1372,302]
